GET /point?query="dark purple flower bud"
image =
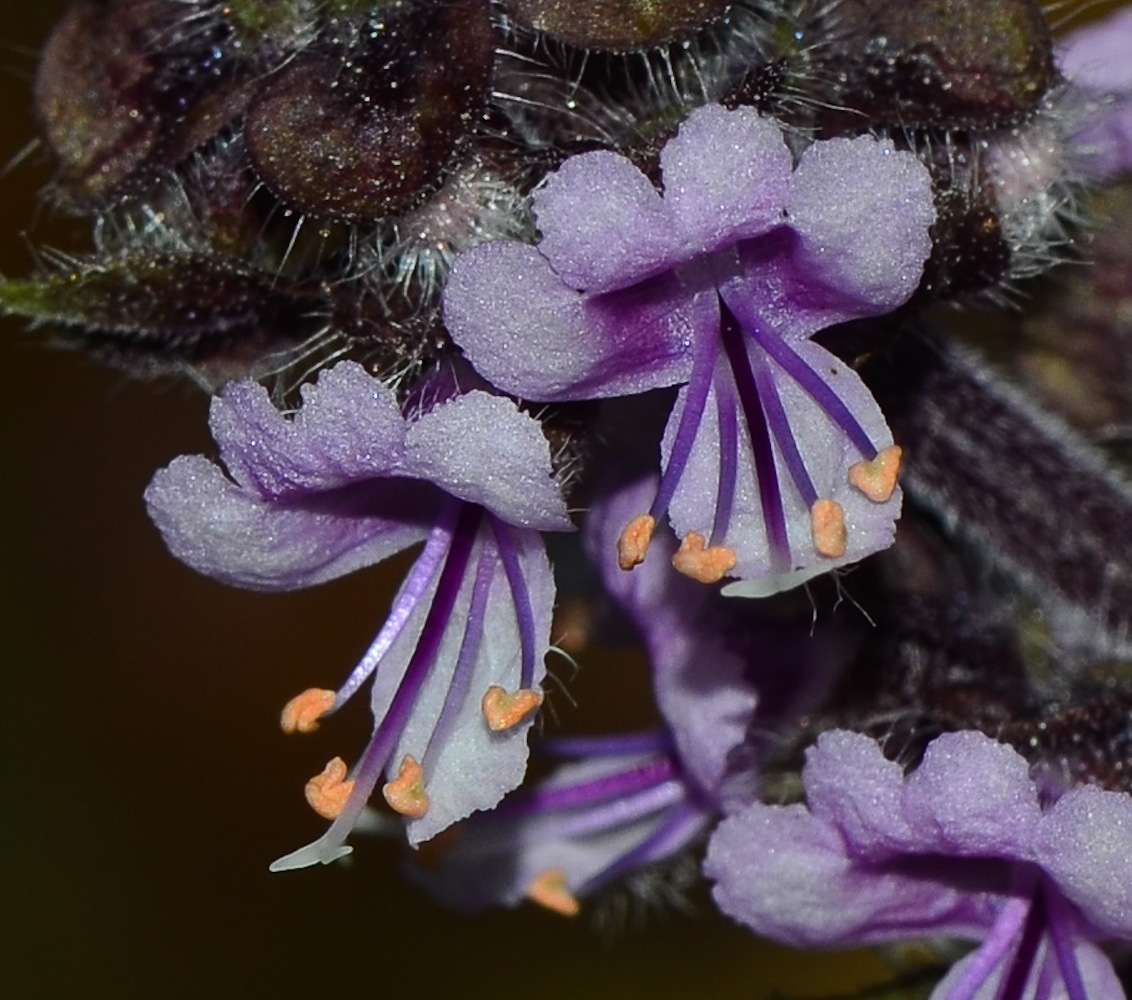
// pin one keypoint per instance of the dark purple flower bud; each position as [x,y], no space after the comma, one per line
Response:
[369,131]
[618,25]
[115,81]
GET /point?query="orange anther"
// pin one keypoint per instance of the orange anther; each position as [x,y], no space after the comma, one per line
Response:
[634,541]
[549,890]
[406,793]
[827,519]
[504,710]
[877,479]
[708,565]
[327,792]
[301,713]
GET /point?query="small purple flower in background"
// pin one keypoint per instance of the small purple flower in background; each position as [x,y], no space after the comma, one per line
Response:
[620,804]
[777,463]
[1095,60]
[345,483]
[968,844]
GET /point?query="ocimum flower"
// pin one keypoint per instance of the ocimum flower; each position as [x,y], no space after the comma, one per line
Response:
[615,806]
[967,845]
[344,483]
[776,463]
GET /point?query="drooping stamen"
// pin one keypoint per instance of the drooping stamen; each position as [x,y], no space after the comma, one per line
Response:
[461,681]
[302,713]
[684,825]
[695,399]
[331,845]
[548,889]
[877,479]
[766,472]
[328,792]
[424,570]
[406,793]
[520,599]
[827,523]
[1013,922]
[815,386]
[702,563]
[1058,919]
[628,745]
[728,415]
[633,545]
[783,434]
[504,710]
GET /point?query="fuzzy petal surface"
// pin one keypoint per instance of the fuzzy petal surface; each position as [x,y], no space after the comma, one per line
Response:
[726,176]
[483,449]
[532,335]
[604,226]
[232,534]
[1085,844]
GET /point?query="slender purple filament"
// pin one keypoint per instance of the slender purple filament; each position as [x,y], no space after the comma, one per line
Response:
[588,793]
[779,425]
[770,495]
[728,459]
[1015,918]
[420,576]
[381,744]
[1058,918]
[520,598]
[466,660]
[606,746]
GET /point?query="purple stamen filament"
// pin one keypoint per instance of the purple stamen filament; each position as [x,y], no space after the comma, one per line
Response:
[728,460]
[376,755]
[423,571]
[588,793]
[799,370]
[466,660]
[1058,918]
[770,495]
[605,746]
[520,599]
[1014,919]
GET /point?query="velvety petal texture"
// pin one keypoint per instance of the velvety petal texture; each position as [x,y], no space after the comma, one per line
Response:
[962,846]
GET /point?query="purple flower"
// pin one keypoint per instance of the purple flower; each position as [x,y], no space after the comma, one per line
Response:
[1095,60]
[620,805]
[344,483]
[968,845]
[718,285]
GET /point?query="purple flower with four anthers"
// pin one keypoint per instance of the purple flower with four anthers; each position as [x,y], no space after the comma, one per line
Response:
[347,482]
[969,845]
[777,463]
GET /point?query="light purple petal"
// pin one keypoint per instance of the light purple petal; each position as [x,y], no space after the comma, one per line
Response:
[851,785]
[348,429]
[471,768]
[604,226]
[533,336]
[1085,844]
[228,532]
[827,454]
[972,797]
[483,449]
[785,873]
[1096,973]
[862,210]
[1095,60]
[726,176]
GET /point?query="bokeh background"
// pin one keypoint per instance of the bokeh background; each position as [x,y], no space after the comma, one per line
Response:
[145,783]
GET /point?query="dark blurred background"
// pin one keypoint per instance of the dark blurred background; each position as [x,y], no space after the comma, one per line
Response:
[146,785]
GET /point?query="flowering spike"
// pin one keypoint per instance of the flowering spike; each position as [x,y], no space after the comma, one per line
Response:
[302,713]
[877,479]
[328,792]
[504,710]
[708,564]
[406,794]
[633,545]
[827,518]
[549,890]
